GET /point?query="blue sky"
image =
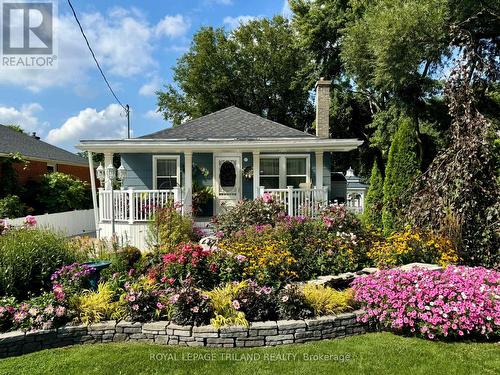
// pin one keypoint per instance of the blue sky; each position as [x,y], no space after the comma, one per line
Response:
[136,42]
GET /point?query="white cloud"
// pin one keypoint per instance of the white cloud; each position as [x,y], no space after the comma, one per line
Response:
[150,88]
[123,40]
[234,22]
[173,26]
[110,123]
[153,115]
[25,117]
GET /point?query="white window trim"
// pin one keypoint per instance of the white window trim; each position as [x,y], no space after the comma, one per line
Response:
[282,167]
[177,158]
[54,167]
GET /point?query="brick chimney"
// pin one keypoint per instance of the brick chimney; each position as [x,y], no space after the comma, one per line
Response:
[323,108]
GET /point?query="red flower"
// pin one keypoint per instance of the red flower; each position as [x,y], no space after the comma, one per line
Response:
[169,258]
[213,267]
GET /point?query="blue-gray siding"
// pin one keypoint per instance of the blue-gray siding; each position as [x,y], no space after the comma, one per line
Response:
[140,171]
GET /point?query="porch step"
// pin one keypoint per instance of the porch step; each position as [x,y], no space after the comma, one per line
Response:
[205,227]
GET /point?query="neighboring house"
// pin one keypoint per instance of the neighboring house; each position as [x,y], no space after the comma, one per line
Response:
[42,157]
[236,154]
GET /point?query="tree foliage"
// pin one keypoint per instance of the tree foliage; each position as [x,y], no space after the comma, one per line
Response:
[59,192]
[459,195]
[258,67]
[402,167]
[372,216]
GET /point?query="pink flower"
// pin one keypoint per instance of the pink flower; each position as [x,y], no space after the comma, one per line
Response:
[195,309]
[236,304]
[240,258]
[267,197]
[30,220]
[135,307]
[454,301]
[60,311]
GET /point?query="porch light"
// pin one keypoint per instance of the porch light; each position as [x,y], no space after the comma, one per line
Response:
[100,174]
[122,173]
[111,172]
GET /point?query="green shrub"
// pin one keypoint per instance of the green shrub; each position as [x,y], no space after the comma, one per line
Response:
[249,212]
[28,257]
[59,192]
[190,306]
[12,207]
[292,303]
[402,168]
[332,244]
[169,228]
[372,216]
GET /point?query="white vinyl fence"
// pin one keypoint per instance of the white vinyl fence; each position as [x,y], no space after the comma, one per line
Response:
[71,223]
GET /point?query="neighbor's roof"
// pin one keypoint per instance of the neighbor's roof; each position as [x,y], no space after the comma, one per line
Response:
[12,141]
[228,123]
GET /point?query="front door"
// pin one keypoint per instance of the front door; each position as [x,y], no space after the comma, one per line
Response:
[227,181]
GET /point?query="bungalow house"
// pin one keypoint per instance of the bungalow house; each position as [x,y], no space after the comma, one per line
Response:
[42,157]
[231,154]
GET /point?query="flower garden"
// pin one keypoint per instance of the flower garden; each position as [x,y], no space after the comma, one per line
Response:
[256,268]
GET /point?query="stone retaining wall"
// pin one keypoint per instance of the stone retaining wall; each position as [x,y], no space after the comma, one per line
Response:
[163,332]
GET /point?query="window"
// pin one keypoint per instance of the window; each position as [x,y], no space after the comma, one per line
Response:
[51,168]
[296,171]
[278,172]
[270,173]
[166,170]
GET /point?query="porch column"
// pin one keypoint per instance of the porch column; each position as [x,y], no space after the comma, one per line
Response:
[94,191]
[319,169]
[108,159]
[188,182]
[256,174]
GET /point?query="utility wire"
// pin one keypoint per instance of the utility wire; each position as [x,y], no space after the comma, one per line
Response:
[126,108]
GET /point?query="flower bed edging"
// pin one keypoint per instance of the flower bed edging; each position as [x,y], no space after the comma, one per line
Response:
[269,333]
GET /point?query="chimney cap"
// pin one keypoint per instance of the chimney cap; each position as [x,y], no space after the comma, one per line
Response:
[33,134]
[323,82]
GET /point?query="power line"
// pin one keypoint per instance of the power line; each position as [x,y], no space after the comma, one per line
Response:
[126,108]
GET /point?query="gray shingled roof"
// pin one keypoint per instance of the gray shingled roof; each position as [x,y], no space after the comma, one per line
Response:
[228,123]
[12,141]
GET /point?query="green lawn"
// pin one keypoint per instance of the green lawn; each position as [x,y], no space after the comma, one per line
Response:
[376,353]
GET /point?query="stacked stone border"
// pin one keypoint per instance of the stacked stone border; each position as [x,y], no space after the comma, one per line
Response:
[268,333]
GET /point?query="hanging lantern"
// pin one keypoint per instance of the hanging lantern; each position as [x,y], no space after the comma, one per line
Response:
[100,174]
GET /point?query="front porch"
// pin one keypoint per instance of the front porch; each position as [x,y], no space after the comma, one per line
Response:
[126,213]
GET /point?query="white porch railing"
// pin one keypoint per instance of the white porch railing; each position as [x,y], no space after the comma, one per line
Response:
[134,205]
[300,202]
